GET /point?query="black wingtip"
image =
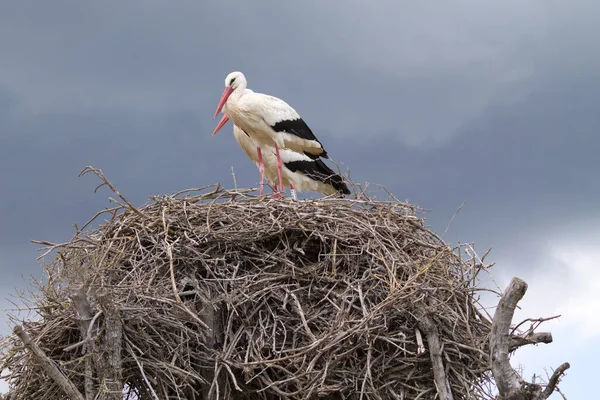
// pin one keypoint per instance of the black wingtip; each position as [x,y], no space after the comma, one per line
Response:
[339,184]
[318,170]
[316,156]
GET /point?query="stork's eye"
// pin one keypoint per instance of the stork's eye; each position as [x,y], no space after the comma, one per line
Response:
[231,81]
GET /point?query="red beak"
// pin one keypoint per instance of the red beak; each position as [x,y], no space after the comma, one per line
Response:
[224,97]
[222,122]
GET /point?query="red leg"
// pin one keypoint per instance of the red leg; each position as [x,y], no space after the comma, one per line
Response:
[279,171]
[275,195]
[261,169]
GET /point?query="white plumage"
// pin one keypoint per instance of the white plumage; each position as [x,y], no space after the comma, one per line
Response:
[267,127]
[297,180]
[267,119]
[268,168]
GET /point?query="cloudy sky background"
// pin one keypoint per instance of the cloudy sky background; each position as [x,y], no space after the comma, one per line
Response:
[492,103]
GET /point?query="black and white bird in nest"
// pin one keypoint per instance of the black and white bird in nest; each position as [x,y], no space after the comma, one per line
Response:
[277,140]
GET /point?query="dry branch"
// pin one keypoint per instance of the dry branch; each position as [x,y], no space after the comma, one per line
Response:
[553,381]
[530,338]
[510,385]
[86,323]
[106,182]
[435,352]
[111,369]
[48,365]
[507,379]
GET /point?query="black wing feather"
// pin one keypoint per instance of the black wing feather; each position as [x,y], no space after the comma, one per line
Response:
[299,128]
[296,127]
[318,171]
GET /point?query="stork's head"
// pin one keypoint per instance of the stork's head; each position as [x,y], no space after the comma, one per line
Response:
[233,81]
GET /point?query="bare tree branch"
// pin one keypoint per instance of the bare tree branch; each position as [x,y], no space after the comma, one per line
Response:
[553,381]
[141,367]
[535,322]
[531,338]
[112,368]
[507,379]
[49,366]
[428,326]
[84,310]
[510,385]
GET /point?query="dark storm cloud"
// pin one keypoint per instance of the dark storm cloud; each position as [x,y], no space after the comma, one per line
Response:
[418,73]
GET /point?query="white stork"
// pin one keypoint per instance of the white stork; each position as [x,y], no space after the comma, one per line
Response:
[300,171]
[254,153]
[268,121]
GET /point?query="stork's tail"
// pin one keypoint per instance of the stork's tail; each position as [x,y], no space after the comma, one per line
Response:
[319,171]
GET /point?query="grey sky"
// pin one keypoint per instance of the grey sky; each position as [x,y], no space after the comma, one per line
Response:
[495,103]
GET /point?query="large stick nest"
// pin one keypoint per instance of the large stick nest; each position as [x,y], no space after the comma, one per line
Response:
[220,292]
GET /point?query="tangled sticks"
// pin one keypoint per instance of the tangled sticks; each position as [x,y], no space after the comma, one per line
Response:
[218,294]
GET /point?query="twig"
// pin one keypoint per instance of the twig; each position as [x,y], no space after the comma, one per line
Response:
[452,219]
[49,366]
[234,180]
[88,335]
[100,175]
[141,368]
[172,273]
[536,321]
[169,249]
[553,381]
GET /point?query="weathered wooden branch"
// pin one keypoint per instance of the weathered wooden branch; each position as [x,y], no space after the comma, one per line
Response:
[81,303]
[553,381]
[531,338]
[427,324]
[88,335]
[211,315]
[510,385]
[49,366]
[111,369]
[141,367]
[84,310]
